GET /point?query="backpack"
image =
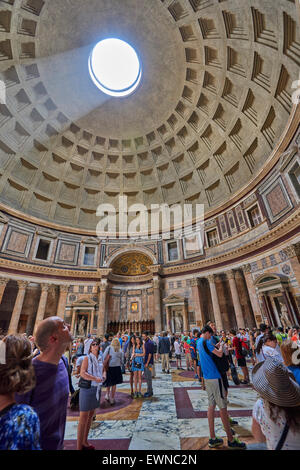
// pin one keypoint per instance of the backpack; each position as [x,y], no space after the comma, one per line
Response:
[221,363]
[154,347]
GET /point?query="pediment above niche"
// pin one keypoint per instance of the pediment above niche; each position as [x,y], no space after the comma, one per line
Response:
[174,299]
[84,303]
[46,233]
[3,218]
[90,241]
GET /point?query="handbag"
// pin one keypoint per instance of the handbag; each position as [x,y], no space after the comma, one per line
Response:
[106,361]
[84,383]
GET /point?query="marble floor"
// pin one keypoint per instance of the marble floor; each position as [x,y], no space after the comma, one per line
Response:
[175,418]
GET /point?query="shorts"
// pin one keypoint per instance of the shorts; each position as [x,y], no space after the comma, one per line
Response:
[188,356]
[178,356]
[241,362]
[215,393]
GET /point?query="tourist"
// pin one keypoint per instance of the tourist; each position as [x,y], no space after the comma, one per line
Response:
[129,352]
[276,414]
[89,395]
[80,349]
[137,361]
[178,353]
[148,363]
[19,424]
[193,349]
[112,361]
[263,329]
[49,397]
[295,334]
[187,353]
[215,390]
[270,347]
[105,343]
[291,357]
[156,341]
[240,355]
[87,344]
[280,335]
[164,347]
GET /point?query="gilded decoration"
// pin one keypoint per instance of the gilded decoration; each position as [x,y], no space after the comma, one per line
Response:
[132,264]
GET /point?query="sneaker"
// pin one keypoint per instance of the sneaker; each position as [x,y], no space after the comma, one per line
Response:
[232,422]
[244,382]
[132,394]
[167,372]
[136,395]
[139,395]
[215,442]
[163,370]
[236,444]
[107,397]
[148,395]
[112,401]
[196,376]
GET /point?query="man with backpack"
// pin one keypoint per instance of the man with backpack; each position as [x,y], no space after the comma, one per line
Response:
[241,353]
[280,335]
[215,390]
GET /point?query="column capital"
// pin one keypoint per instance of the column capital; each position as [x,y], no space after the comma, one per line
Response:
[45,287]
[246,268]
[22,284]
[63,288]
[195,282]
[4,281]
[104,272]
[211,278]
[292,251]
[156,283]
[156,269]
[230,274]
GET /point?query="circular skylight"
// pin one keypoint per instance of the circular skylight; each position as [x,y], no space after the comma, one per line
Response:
[115,67]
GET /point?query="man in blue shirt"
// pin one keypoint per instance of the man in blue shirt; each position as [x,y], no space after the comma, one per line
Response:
[215,390]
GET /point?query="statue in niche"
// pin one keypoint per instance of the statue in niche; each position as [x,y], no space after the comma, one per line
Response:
[284,318]
[178,323]
[81,326]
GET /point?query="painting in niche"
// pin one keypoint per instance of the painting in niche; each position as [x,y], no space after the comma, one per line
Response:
[134,307]
[193,245]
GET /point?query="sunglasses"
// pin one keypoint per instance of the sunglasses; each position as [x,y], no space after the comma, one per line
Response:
[95,344]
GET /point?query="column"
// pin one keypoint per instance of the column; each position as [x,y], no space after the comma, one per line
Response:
[185,317]
[215,302]
[157,304]
[168,318]
[73,314]
[63,293]
[199,314]
[236,300]
[92,320]
[252,293]
[102,316]
[14,322]
[3,284]
[42,306]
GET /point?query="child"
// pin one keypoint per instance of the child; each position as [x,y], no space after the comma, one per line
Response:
[178,353]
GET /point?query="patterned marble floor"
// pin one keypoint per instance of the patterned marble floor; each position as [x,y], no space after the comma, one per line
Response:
[175,418]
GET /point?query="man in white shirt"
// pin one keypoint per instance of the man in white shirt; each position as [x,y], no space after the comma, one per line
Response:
[259,355]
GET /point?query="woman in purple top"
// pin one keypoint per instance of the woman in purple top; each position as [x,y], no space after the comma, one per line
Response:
[19,424]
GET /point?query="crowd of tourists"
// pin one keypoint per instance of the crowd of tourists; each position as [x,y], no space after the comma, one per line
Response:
[41,376]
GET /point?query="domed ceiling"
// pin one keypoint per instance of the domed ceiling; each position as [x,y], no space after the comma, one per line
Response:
[213,102]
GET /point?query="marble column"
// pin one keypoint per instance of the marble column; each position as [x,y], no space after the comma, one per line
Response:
[215,302]
[73,315]
[252,293]
[14,322]
[63,294]
[3,284]
[92,321]
[102,314]
[42,306]
[235,298]
[157,304]
[185,317]
[199,314]
[168,317]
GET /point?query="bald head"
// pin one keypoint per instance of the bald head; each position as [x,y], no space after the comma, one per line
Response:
[45,330]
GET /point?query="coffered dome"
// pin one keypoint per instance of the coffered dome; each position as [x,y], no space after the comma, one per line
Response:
[213,103]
